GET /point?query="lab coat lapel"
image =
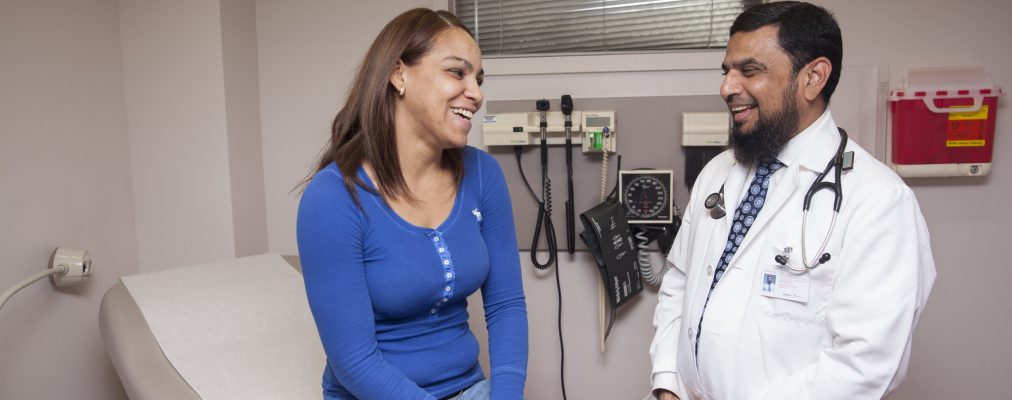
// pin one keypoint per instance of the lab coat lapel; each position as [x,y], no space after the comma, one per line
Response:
[716,232]
[732,197]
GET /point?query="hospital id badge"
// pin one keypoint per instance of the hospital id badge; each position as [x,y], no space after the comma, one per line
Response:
[781,284]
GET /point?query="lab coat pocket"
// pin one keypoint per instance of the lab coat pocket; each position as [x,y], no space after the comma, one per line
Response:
[789,295]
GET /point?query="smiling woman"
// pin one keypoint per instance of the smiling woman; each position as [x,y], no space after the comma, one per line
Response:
[439,94]
[401,222]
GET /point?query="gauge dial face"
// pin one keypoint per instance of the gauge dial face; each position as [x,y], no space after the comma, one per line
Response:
[646,197]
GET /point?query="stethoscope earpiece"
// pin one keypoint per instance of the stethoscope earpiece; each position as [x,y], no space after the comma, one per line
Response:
[783,258]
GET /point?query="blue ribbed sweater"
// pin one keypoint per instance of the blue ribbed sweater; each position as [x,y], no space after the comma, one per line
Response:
[390,298]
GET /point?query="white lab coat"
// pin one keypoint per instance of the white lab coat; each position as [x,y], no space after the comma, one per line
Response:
[851,340]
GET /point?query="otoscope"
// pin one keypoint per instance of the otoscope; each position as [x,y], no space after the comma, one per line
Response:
[545,209]
[546,214]
[567,110]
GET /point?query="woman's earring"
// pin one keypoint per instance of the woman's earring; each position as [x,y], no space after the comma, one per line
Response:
[401,91]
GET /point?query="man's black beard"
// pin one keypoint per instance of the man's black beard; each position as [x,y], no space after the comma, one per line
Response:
[770,134]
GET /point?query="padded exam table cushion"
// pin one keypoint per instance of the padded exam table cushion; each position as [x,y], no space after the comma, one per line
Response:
[239,329]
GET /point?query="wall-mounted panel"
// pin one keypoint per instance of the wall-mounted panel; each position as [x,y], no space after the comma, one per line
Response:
[648,135]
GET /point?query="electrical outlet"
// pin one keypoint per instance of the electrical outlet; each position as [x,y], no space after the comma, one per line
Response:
[77,263]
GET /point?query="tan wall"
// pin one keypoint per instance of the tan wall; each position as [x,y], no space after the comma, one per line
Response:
[65,179]
[175,97]
[309,52]
[961,347]
[242,105]
[131,129]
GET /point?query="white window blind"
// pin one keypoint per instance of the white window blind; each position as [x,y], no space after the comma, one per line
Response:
[512,27]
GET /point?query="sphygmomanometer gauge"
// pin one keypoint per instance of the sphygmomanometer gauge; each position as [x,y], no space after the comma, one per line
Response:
[646,195]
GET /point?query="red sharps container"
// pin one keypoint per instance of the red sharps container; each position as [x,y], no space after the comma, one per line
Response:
[943,122]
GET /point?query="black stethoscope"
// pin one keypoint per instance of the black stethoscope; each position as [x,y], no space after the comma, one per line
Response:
[842,161]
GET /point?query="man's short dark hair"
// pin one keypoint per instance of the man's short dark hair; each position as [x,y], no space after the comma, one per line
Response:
[806,32]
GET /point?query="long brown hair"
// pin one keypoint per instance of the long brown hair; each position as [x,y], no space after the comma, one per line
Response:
[363,131]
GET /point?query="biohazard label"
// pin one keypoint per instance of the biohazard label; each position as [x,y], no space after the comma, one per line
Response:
[966,129]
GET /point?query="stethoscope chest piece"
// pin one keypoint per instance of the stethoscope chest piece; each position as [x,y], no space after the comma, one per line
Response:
[715,203]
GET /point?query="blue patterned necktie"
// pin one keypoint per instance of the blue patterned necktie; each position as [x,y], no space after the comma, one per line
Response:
[744,216]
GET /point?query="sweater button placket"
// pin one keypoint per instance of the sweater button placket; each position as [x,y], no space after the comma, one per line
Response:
[448,273]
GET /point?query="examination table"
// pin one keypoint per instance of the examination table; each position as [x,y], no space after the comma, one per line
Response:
[147,372]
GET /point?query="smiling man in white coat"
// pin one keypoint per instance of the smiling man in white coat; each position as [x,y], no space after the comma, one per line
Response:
[764,302]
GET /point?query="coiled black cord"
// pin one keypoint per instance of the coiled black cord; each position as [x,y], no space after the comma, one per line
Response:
[545,216]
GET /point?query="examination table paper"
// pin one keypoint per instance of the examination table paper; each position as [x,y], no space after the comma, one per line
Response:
[239,329]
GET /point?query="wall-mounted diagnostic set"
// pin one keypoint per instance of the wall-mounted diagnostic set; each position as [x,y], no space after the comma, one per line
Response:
[594,130]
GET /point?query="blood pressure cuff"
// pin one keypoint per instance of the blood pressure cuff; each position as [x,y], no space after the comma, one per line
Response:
[607,235]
